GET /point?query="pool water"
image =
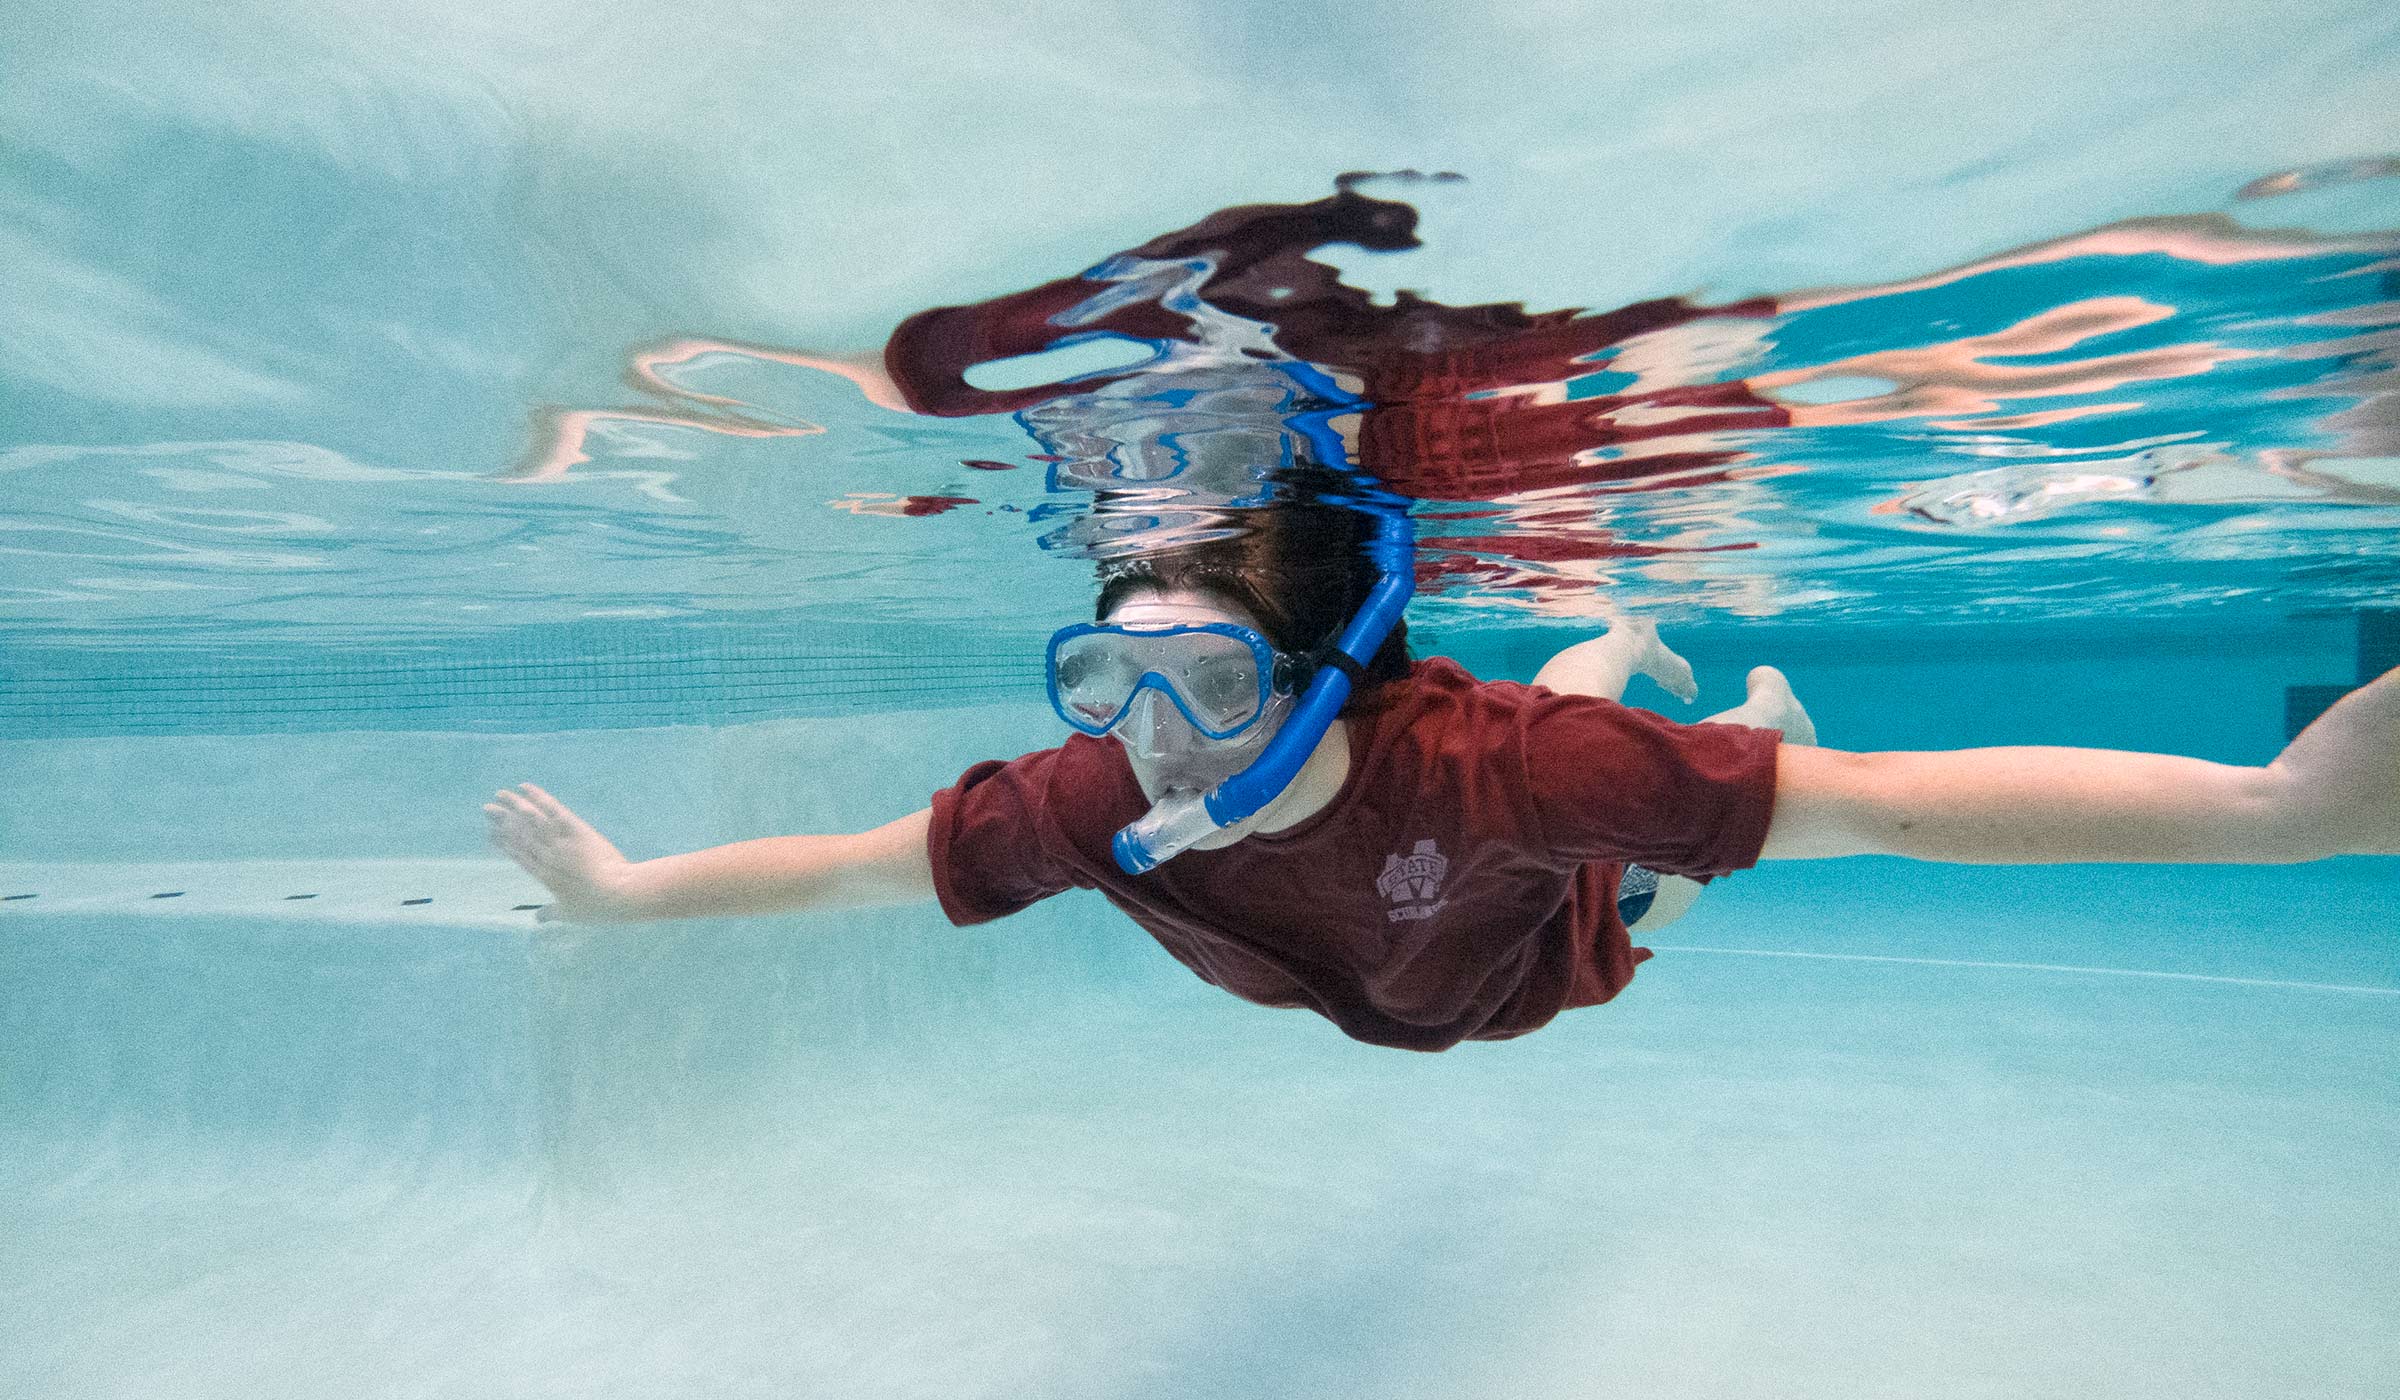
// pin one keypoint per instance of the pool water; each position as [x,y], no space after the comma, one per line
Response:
[403,405]
[1861,1127]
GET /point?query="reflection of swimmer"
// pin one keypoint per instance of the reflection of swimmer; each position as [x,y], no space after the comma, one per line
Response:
[1455,860]
[1474,403]
[1460,403]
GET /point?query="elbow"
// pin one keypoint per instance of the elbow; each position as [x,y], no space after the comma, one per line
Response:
[1826,806]
[2297,819]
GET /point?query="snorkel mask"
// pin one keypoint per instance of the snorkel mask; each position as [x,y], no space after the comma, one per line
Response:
[1194,702]
[1226,685]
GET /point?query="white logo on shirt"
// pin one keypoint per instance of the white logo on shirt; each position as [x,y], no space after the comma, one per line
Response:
[1417,878]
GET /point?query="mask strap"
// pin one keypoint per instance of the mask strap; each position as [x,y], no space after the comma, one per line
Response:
[1331,654]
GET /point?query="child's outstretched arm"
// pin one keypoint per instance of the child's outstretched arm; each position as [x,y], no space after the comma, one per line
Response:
[2334,791]
[593,883]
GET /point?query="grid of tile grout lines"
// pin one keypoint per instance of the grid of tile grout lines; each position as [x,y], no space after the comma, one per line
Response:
[522,682]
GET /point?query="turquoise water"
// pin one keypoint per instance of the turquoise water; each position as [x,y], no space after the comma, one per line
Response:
[394,407]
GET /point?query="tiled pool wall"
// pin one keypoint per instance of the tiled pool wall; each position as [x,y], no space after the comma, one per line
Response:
[841,761]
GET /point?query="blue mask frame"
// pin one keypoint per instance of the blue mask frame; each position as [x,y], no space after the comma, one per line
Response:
[1277,675]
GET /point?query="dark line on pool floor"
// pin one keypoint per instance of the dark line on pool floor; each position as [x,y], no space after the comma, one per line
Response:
[178,894]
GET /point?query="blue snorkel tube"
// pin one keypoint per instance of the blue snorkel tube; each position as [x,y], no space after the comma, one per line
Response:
[1182,818]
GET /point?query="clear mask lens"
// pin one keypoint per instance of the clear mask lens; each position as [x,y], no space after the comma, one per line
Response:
[1219,682]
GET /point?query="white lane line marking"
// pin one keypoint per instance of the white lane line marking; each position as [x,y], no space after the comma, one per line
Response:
[2036,967]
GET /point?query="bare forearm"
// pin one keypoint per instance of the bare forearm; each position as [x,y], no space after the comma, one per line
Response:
[2334,790]
[778,874]
[2037,806]
[748,877]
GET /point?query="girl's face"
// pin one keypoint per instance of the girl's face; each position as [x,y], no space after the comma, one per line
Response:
[1166,752]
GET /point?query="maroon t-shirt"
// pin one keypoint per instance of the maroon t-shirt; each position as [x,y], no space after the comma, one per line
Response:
[1462,886]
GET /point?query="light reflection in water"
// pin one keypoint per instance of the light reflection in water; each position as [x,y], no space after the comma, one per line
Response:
[2088,420]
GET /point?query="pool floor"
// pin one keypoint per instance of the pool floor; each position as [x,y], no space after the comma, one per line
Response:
[1751,1176]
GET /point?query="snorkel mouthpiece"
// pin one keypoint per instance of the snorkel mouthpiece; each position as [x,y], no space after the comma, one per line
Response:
[1183,816]
[1168,829]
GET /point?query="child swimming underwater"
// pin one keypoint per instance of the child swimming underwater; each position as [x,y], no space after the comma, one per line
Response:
[1451,860]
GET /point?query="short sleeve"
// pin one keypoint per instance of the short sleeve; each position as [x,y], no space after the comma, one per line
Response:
[988,840]
[1605,782]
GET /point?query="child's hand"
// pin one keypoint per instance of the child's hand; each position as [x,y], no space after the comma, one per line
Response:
[582,870]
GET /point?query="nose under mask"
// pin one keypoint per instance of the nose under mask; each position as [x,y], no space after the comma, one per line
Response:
[1170,754]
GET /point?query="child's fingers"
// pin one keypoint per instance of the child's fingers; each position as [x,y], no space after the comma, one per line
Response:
[547,805]
[518,832]
[512,844]
[535,862]
[553,821]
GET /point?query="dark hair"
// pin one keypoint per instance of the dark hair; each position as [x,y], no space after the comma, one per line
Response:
[1299,566]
